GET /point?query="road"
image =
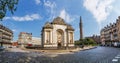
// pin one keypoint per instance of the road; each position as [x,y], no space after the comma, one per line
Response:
[96,55]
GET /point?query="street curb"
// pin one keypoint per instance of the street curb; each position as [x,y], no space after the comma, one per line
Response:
[89,48]
[84,49]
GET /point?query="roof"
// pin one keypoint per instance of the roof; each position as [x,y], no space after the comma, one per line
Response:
[48,25]
[69,27]
[5,28]
[59,21]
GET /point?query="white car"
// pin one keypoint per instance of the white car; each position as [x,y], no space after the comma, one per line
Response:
[115,44]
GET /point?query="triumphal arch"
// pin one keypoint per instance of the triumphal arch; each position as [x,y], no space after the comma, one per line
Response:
[57,34]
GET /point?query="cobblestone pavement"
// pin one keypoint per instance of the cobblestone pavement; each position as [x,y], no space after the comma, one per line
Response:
[97,55]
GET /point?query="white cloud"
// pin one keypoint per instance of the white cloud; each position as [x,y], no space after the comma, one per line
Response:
[14,30]
[6,18]
[37,2]
[49,4]
[66,16]
[99,8]
[50,7]
[24,18]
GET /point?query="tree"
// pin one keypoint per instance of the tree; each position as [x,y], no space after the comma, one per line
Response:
[89,41]
[78,42]
[86,41]
[7,5]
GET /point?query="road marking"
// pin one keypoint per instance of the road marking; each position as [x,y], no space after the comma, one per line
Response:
[115,60]
[117,57]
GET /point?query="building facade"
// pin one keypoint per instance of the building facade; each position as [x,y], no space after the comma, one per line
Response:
[57,34]
[111,33]
[25,38]
[14,44]
[36,41]
[6,35]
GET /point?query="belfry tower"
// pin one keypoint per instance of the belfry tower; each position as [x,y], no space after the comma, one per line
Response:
[81,30]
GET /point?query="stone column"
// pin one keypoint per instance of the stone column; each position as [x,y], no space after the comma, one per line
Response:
[51,36]
[68,38]
[45,37]
[73,38]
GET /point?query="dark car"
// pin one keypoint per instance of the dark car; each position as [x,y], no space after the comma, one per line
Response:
[10,46]
[2,48]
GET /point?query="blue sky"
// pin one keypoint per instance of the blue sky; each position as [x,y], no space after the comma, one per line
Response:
[33,14]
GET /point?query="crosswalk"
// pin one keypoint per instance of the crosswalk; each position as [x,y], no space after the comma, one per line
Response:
[116,58]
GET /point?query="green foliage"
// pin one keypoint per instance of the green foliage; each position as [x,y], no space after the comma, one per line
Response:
[78,42]
[89,41]
[86,41]
[7,5]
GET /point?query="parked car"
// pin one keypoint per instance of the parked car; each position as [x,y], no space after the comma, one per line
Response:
[10,46]
[115,44]
[2,48]
[118,45]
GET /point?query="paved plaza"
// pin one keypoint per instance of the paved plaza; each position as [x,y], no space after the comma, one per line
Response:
[96,55]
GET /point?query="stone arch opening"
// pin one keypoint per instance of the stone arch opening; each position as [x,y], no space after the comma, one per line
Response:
[60,38]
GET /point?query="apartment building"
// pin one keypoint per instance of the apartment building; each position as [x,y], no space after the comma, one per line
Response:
[111,33]
[25,38]
[6,35]
[36,41]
